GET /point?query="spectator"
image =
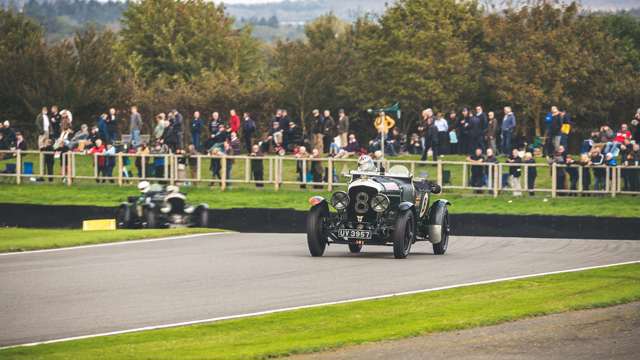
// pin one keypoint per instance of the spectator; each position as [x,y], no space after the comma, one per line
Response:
[110,161]
[275,136]
[532,172]
[318,130]
[42,124]
[585,162]
[177,127]
[635,124]
[443,134]
[234,143]
[573,172]
[622,134]
[565,129]
[248,129]
[515,172]
[48,158]
[112,126]
[477,128]
[302,168]
[491,133]
[196,129]
[54,123]
[555,128]
[234,121]
[395,142]
[295,136]
[98,151]
[158,130]
[559,158]
[257,166]
[21,144]
[489,159]
[142,161]
[191,159]
[9,135]
[507,128]
[353,146]
[343,128]
[215,166]
[94,135]
[330,130]
[135,126]
[464,143]
[599,172]
[430,135]
[631,177]
[103,132]
[453,133]
[317,170]
[415,145]
[80,138]
[477,171]
[214,124]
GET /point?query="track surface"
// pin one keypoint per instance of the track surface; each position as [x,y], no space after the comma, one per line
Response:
[52,295]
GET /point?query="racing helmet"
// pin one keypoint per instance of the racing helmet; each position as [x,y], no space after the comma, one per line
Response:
[143,186]
[365,163]
[173,189]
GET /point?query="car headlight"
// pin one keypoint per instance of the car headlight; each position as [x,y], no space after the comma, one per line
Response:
[340,200]
[380,203]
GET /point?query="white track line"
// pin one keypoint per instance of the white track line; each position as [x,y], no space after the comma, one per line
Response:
[117,243]
[266,312]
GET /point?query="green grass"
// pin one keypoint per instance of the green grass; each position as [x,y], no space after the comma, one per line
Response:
[292,197]
[334,326]
[18,239]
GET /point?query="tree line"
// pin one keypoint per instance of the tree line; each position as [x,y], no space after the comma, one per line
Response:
[443,54]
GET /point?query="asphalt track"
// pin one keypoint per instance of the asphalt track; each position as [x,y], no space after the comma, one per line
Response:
[83,291]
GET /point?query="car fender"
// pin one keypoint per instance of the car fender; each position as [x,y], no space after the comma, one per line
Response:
[319,201]
[436,214]
[406,205]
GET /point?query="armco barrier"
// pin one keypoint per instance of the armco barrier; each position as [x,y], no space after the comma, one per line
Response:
[294,221]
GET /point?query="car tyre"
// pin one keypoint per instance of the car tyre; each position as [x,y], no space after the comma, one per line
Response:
[403,235]
[355,248]
[316,235]
[442,218]
[201,217]
[123,216]
[151,218]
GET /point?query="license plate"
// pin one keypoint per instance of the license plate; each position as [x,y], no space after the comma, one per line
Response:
[354,234]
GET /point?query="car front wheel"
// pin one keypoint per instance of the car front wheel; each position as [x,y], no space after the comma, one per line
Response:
[123,216]
[316,235]
[403,235]
[151,218]
[442,219]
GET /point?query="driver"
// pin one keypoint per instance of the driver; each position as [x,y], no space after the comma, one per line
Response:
[365,164]
[144,186]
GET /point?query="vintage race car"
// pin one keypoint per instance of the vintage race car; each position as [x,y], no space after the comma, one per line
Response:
[379,209]
[160,206]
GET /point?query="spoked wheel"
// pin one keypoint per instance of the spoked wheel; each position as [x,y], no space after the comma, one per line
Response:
[316,235]
[443,220]
[355,248]
[403,235]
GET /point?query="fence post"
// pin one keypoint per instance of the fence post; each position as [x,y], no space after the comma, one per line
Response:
[198,168]
[465,180]
[18,167]
[614,181]
[330,175]
[143,163]
[41,163]
[223,173]
[439,171]
[247,170]
[580,169]
[276,169]
[554,183]
[119,169]
[496,179]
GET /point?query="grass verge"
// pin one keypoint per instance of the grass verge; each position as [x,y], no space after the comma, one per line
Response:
[334,326]
[19,239]
[249,197]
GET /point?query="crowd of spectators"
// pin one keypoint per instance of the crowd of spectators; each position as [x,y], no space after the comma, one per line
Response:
[479,135]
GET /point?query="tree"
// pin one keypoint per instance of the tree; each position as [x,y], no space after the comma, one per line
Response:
[311,71]
[420,53]
[180,39]
[542,55]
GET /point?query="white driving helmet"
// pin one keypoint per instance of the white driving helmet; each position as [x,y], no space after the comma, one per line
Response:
[143,186]
[365,163]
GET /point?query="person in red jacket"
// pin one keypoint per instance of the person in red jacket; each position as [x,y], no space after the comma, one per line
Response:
[234,121]
[99,148]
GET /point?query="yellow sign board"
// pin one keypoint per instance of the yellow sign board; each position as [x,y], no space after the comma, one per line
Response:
[102,224]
